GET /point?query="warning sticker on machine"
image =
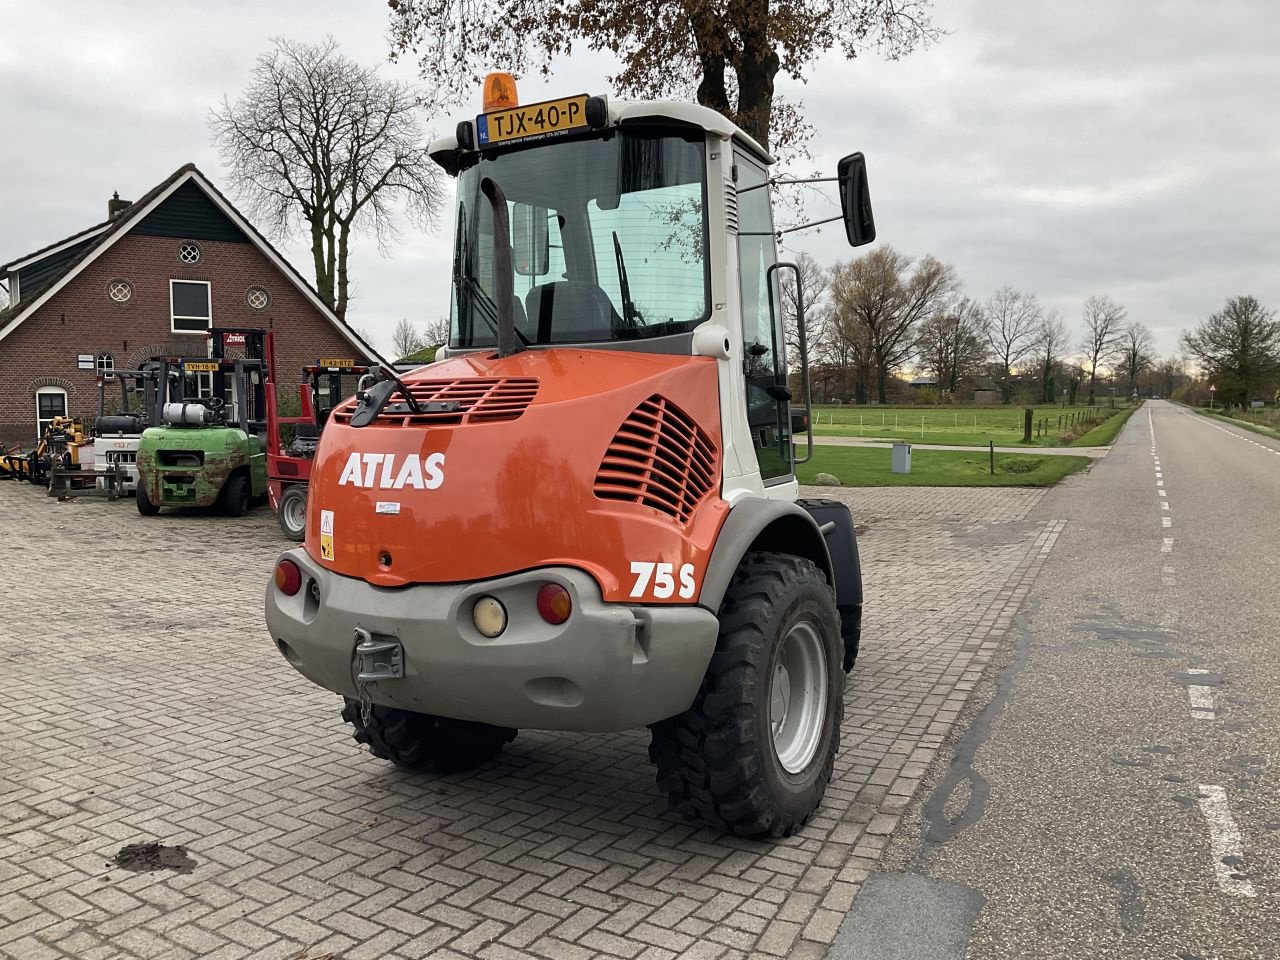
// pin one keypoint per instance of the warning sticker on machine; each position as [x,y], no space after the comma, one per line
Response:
[326,534]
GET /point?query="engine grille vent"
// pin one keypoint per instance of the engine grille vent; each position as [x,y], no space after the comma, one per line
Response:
[730,205]
[468,400]
[660,458]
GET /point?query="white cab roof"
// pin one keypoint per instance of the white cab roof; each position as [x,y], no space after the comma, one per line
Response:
[621,111]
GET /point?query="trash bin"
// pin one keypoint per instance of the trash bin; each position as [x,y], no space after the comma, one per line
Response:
[902,458]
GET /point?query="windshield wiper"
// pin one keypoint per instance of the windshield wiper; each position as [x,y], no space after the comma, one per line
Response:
[630,316]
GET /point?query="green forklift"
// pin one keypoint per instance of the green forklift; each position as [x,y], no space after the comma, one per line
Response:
[209,450]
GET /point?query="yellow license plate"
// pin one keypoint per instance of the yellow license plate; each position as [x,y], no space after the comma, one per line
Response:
[535,120]
[198,367]
[336,362]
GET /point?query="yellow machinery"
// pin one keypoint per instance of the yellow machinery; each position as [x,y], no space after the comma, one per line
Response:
[59,447]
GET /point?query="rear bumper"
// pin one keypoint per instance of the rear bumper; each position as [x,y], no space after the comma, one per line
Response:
[609,667]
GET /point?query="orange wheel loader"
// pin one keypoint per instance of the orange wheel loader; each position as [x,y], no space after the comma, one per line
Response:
[584,515]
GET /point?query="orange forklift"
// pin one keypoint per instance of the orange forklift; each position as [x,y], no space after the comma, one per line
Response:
[324,385]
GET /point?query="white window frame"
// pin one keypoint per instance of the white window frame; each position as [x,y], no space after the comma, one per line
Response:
[105,366]
[173,318]
[42,422]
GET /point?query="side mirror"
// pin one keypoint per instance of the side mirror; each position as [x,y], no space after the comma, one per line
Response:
[530,240]
[855,200]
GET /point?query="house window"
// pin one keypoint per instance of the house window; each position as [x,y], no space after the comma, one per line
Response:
[189,253]
[189,305]
[121,291]
[106,365]
[50,402]
[257,298]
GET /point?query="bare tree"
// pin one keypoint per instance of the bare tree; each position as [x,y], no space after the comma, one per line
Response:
[1137,353]
[436,332]
[880,299]
[320,144]
[1050,341]
[726,54]
[1239,349]
[1169,374]
[1103,327]
[1012,321]
[405,339]
[952,343]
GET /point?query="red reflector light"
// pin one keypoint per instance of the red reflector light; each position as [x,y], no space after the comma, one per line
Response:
[288,577]
[554,603]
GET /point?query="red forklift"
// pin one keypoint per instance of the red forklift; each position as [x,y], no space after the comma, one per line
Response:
[325,384]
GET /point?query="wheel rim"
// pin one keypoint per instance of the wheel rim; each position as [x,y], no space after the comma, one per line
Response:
[798,697]
[295,513]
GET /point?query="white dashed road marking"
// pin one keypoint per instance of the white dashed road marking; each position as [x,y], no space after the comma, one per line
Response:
[1164,504]
[1167,546]
[1232,433]
[1166,521]
[1201,697]
[1224,842]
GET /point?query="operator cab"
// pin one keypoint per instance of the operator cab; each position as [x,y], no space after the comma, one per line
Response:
[641,226]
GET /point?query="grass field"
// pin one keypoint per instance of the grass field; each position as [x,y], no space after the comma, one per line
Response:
[959,425]
[869,467]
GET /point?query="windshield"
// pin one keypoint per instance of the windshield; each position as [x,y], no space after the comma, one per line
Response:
[608,240]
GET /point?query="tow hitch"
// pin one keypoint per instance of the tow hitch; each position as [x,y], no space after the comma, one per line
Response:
[378,659]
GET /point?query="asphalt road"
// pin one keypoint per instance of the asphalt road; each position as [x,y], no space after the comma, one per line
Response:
[1115,793]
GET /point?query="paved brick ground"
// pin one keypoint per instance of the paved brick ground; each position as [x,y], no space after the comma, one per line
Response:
[144,701]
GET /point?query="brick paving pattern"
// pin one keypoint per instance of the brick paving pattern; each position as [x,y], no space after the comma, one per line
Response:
[145,702]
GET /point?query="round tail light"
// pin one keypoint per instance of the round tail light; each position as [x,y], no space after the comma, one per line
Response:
[288,577]
[489,616]
[554,603]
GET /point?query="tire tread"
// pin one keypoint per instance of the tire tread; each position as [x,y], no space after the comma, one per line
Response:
[708,761]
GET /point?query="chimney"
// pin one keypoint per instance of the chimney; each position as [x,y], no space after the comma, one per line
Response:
[116,206]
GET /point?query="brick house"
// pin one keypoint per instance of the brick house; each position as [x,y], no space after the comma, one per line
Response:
[148,282]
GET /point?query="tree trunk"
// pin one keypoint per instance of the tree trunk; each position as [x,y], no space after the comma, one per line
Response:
[324,276]
[756,70]
[712,92]
[340,307]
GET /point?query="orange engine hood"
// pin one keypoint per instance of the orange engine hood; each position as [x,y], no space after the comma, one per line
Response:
[595,459]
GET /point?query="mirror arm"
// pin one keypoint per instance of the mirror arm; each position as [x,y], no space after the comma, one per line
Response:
[779,233]
[786,181]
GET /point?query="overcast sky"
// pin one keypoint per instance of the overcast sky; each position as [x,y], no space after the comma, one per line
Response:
[1065,149]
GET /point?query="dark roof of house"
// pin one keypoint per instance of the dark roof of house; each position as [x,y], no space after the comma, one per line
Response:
[54,245]
[131,214]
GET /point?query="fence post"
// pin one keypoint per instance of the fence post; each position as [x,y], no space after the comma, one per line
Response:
[1027,414]
[991,444]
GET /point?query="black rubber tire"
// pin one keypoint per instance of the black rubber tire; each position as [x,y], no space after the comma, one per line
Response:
[716,761]
[296,492]
[145,506]
[235,495]
[425,743]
